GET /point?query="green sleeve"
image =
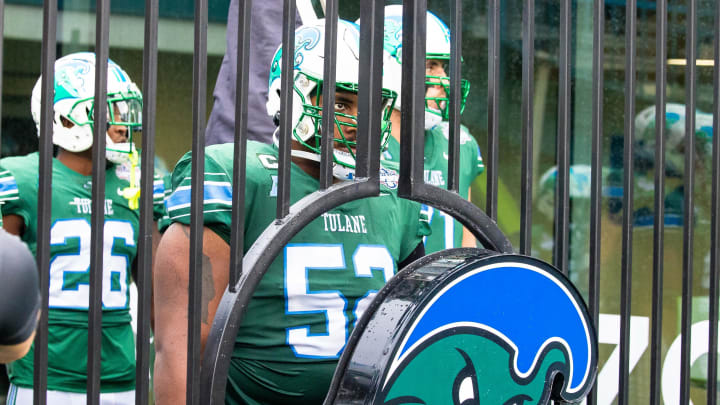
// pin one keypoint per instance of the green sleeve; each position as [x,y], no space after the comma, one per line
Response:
[10,189]
[217,198]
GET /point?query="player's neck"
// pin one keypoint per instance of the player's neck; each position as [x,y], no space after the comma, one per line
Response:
[80,162]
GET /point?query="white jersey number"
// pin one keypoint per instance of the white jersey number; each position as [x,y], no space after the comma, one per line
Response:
[300,300]
[114,285]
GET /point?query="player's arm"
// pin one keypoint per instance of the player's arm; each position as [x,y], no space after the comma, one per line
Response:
[468,239]
[171,279]
[13,224]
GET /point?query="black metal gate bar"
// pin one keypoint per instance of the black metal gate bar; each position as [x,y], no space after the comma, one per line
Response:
[147,165]
[688,207]
[286,107]
[196,196]
[49,42]
[97,216]
[370,87]
[413,96]
[562,191]
[491,163]
[493,100]
[715,223]
[237,224]
[598,91]
[454,96]
[328,94]
[659,204]
[627,221]
[528,92]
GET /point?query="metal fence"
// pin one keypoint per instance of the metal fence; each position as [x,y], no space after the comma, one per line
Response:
[206,374]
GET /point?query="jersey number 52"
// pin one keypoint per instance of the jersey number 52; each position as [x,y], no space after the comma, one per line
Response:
[300,300]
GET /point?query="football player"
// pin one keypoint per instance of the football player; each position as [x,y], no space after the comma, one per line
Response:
[446,232]
[301,314]
[73,108]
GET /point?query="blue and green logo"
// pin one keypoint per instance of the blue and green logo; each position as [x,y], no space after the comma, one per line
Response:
[504,333]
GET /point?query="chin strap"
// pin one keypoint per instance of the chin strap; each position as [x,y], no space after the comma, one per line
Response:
[339,171]
[132,192]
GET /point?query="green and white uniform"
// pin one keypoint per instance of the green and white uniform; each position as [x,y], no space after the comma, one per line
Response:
[305,307]
[69,272]
[446,232]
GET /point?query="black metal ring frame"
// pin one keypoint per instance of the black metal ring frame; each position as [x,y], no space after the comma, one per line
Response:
[230,312]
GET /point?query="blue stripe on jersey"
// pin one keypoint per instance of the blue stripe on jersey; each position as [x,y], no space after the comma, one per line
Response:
[8,185]
[158,189]
[215,193]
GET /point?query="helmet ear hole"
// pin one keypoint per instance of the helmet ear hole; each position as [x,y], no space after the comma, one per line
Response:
[66,123]
[276,119]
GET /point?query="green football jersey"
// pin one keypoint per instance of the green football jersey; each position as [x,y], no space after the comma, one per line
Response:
[69,272]
[305,307]
[446,231]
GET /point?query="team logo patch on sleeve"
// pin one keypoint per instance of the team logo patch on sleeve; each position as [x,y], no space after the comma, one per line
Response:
[389,178]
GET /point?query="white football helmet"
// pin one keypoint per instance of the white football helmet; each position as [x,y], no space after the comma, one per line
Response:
[437,48]
[674,138]
[308,81]
[74,101]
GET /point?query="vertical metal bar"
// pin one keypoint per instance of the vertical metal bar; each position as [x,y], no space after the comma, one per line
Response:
[370,93]
[328,95]
[528,92]
[493,107]
[144,284]
[596,169]
[689,187]
[237,225]
[562,196]
[97,218]
[714,224]
[455,99]
[659,204]
[413,95]
[286,92]
[44,216]
[197,197]
[628,192]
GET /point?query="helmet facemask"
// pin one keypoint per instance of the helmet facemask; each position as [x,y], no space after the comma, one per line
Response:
[439,104]
[122,110]
[308,131]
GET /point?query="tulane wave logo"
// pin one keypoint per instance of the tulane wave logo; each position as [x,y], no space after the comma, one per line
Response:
[470,327]
[306,39]
[488,339]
